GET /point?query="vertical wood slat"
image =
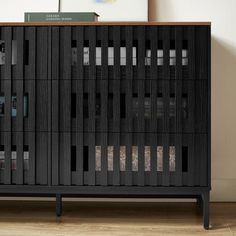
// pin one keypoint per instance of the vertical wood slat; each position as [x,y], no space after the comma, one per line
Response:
[66,104]
[116,105]
[209,105]
[201,54]
[42,60]
[191,157]
[91,103]
[166,102]
[49,84]
[178,102]
[55,107]
[201,88]
[19,105]
[200,116]
[32,101]
[79,107]
[154,38]
[201,103]
[104,104]
[192,107]
[141,91]
[203,158]
[7,33]
[41,109]
[41,79]
[128,102]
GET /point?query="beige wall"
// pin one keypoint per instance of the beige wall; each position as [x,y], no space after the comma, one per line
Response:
[222,15]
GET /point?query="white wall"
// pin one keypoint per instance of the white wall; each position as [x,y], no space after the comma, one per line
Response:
[13,10]
[110,10]
[134,10]
[222,15]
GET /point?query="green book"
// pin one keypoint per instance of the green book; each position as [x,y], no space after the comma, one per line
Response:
[61,17]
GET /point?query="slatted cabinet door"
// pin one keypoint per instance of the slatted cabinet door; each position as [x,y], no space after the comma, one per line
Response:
[157,100]
[24,97]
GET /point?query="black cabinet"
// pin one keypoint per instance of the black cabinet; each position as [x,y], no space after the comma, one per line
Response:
[105,109]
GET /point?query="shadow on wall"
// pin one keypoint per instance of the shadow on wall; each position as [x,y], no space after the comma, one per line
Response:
[156,6]
[223,112]
[152,13]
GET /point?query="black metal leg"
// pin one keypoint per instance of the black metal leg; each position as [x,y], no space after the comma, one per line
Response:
[58,205]
[205,206]
[199,202]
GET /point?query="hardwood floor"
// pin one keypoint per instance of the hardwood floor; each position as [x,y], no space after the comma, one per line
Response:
[24,218]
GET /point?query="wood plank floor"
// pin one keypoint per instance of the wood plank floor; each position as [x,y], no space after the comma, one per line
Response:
[106,218]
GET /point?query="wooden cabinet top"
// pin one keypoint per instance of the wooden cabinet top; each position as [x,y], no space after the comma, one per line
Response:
[150,23]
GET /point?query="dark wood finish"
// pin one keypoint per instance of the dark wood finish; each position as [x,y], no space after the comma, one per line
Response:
[79,34]
[32,109]
[128,100]
[19,105]
[92,104]
[104,105]
[178,100]
[116,104]
[55,107]
[7,34]
[141,93]
[155,116]
[153,97]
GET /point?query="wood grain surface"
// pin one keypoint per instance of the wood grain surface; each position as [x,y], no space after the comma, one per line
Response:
[104,23]
[114,218]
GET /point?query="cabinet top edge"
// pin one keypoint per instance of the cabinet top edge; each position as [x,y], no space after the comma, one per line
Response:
[105,23]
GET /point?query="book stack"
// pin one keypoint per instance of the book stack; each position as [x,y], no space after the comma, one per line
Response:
[61,17]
